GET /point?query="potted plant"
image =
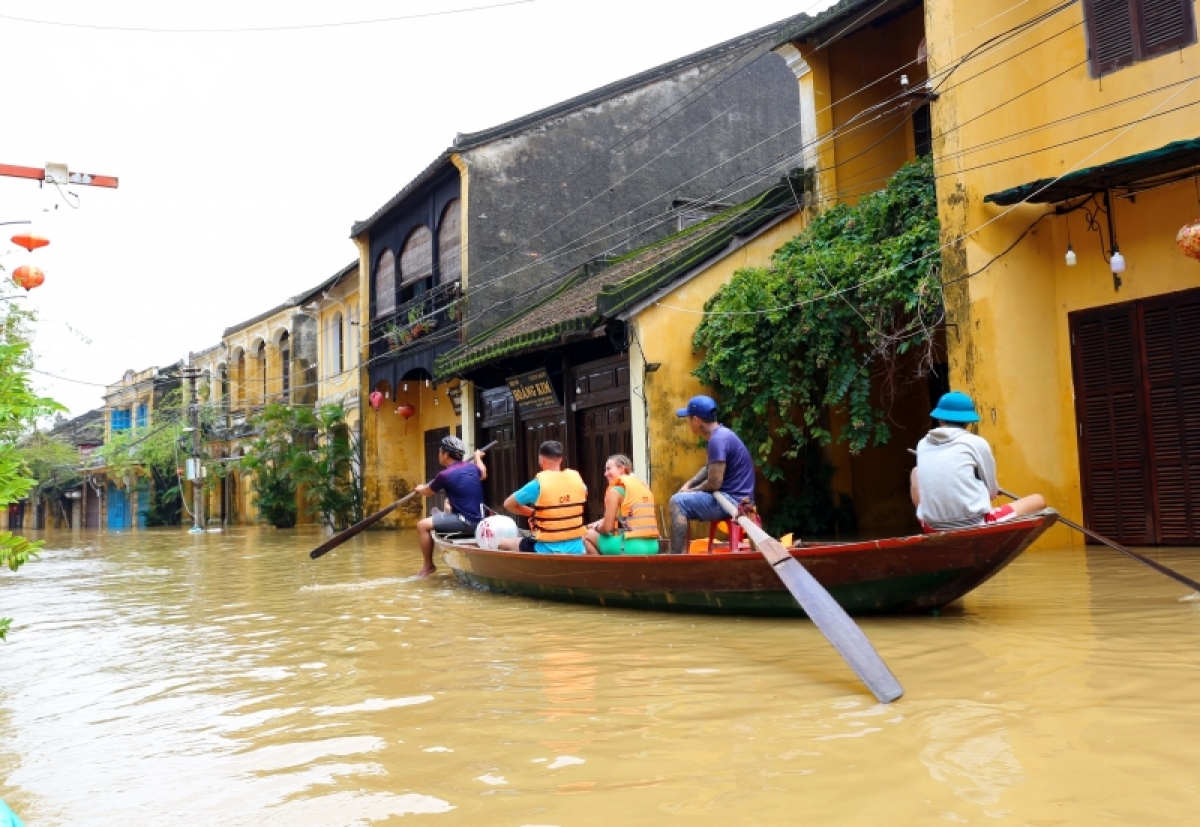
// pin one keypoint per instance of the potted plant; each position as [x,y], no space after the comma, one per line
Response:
[395,335]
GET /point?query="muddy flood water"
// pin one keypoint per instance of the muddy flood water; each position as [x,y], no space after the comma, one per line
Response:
[226,679]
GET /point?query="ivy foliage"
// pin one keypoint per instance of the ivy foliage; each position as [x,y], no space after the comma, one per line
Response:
[832,314]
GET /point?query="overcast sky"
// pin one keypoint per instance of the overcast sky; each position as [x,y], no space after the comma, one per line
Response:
[244,157]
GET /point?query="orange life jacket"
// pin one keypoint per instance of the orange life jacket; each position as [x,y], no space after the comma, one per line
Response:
[636,512]
[558,512]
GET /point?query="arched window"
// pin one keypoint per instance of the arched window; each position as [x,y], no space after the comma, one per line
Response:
[285,364]
[416,264]
[450,244]
[337,361]
[239,378]
[261,358]
[385,284]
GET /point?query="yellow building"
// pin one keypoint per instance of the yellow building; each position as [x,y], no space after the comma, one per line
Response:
[1063,135]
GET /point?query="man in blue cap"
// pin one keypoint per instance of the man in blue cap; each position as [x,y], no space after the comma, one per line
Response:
[729,470]
[958,473]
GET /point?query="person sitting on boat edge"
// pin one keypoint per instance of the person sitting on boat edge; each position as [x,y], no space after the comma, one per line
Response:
[463,483]
[729,470]
[957,473]
[554,501]
[629,525]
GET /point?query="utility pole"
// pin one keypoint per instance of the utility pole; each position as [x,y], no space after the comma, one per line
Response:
[194,472]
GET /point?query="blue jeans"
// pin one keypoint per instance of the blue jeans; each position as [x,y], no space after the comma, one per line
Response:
[699,505]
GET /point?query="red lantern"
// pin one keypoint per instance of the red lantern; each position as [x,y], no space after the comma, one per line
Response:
[406,410]
[28,276]
[1188,240]
[30,241]
[376,399]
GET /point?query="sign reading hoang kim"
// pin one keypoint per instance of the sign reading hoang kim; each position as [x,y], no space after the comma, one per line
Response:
[533,391]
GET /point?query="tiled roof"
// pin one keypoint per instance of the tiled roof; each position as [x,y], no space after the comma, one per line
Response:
[598,291]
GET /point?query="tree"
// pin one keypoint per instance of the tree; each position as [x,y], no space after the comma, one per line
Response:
[331,472]
[52,463]
[20,406]
[284,433]
[847,307]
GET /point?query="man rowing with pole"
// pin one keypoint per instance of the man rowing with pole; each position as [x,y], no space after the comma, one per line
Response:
[463,483]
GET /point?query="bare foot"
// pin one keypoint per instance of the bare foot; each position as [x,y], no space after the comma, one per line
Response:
[426,571]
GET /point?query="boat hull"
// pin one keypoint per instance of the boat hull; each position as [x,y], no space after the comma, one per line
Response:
[892,576]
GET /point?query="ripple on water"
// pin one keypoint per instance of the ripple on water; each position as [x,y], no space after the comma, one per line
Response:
[149,679]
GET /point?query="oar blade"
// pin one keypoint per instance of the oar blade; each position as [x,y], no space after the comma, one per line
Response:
[838,628]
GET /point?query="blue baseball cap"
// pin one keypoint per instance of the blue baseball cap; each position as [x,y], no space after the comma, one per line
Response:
[955,407]
[704,407]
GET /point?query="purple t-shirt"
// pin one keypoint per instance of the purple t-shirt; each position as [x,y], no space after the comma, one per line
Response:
[463,486]
[724,446]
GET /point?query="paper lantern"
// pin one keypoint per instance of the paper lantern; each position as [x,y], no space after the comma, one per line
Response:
[406,410]
[1188,240]
[30,241]
[28,276]
[376,399]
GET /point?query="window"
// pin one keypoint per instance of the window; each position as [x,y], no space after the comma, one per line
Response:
[385,284]
[336,349]
[450,244]
[120,419]
[1121,32]
[141,415]
[261,359]
[285,364]
[922,132]
[416,264]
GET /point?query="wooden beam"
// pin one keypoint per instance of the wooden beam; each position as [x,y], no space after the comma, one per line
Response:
[39,174]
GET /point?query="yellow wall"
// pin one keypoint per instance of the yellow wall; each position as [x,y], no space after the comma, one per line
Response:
[1008,340]
[665,335]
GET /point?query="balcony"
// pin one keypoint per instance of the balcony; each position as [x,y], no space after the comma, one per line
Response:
[431,318]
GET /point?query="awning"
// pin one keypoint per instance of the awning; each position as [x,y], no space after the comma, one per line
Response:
[1133,170]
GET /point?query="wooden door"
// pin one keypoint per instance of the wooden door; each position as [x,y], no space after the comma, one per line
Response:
[1110,419]
[536,431]
[603,431]
[1171,334]
[502,461]
[91,518]
[1137,399]
[433,439]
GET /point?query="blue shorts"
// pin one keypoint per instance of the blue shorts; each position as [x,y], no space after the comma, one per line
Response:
[700,505]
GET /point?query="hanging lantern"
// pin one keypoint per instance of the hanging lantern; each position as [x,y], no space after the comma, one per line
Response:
[30,241]
[28,276]
[376,399]
[1188,240]
[406,410]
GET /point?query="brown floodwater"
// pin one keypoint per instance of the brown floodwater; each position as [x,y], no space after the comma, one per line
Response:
[226,679]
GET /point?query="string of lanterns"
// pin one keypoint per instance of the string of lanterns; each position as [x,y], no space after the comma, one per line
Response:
[28,276]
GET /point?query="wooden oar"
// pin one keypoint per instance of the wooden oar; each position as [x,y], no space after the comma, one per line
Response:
[1099,538]
[337,539]
[822,609]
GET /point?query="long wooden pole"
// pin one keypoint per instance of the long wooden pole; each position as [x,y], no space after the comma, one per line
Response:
[337,539]
[1099,538]
[837,626]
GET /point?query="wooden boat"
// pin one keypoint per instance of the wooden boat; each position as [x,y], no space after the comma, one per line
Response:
[897,575]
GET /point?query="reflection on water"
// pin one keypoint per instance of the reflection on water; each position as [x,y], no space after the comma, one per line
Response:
[226,679]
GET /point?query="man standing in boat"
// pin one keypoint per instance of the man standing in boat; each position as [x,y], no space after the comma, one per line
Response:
[958,473]
[554,501]
[729,470]
[463,483]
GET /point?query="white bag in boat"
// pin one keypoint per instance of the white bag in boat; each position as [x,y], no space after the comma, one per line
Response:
[491,530]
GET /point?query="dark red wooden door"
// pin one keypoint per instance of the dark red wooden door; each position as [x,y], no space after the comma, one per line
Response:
[1137,400]
[603,431]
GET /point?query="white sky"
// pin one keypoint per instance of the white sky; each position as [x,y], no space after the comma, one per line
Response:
[245,157]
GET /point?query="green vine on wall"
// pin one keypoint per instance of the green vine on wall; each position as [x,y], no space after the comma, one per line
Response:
[844,302]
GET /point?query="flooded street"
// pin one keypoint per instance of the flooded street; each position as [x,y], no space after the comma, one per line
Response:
[226,679]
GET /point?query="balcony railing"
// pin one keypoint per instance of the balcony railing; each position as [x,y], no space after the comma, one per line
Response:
[431,317]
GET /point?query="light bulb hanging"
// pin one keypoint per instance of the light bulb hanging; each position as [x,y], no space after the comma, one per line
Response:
[1072,259]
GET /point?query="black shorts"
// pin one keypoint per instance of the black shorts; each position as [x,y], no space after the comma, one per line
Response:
[451,522]
[527,544]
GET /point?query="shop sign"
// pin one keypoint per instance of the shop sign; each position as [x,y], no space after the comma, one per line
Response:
[533,391]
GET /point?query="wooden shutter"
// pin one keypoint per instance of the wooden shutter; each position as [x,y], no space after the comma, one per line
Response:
[450,244]
[416,259]
[385,285]
[1172,341]
[1112,447]
[1164,25]
[1110,34]
[433,441]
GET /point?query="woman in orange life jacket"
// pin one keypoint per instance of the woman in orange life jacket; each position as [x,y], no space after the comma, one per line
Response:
[629,525]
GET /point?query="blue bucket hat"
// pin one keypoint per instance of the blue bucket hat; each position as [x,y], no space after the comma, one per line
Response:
[955,407]
[704,407]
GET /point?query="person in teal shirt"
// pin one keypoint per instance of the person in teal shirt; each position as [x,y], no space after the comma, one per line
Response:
[554,500]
